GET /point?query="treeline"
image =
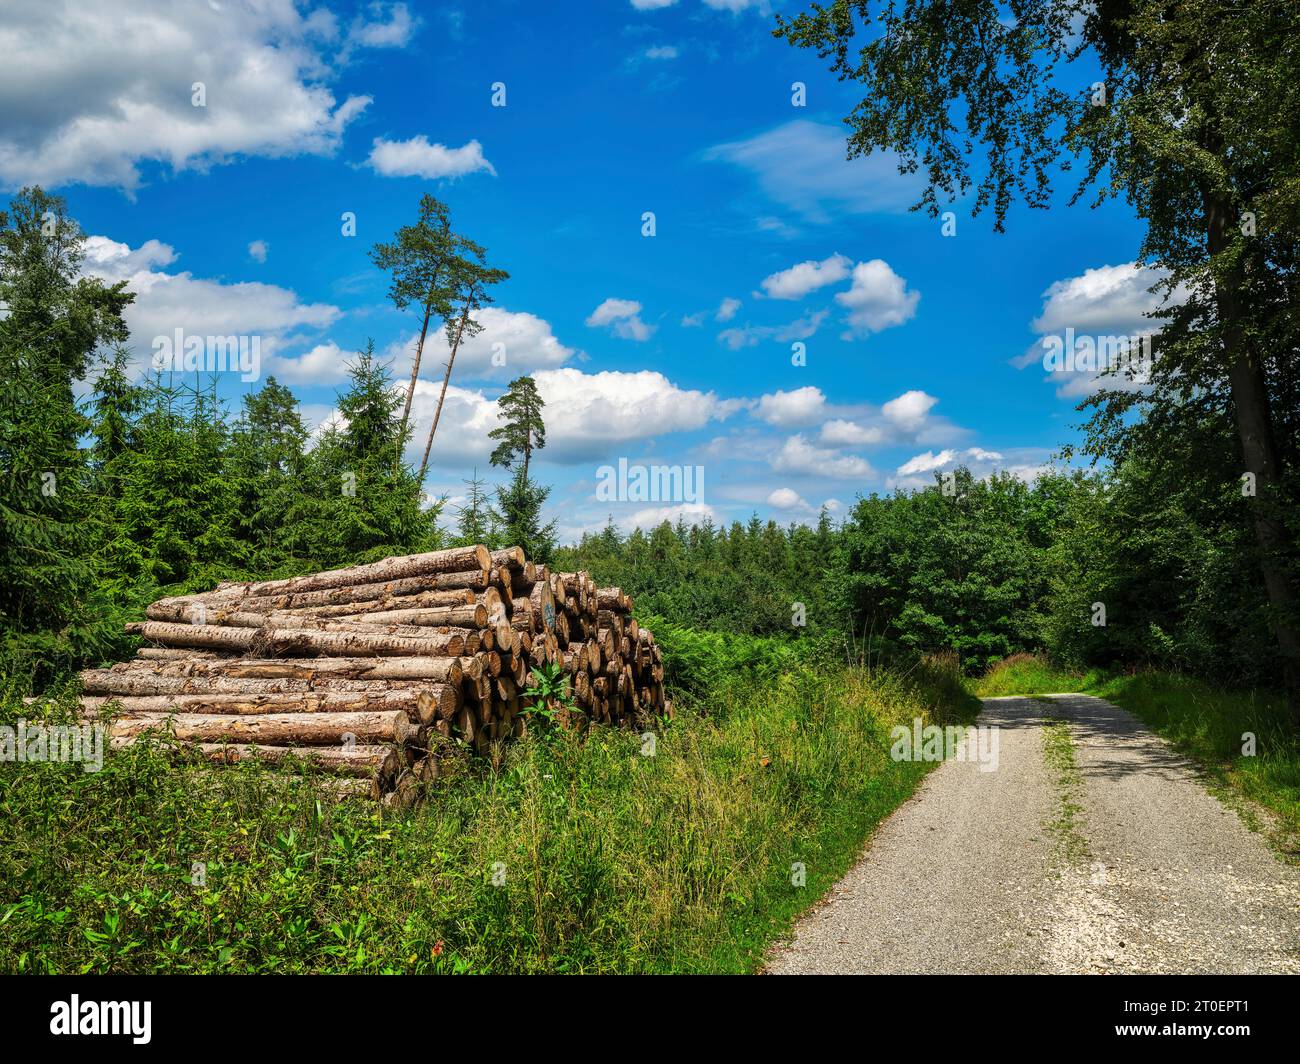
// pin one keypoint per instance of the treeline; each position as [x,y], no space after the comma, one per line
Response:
[1139,567]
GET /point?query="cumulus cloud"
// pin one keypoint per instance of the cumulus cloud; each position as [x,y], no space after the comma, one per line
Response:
[391,28]
[805,277]
[1104,311]
[802,165]
[839,432]
[727,309]
[919,470]
[878,299]
[91,91]
[909,411]
[787,499]
[749,335]
[257,250]
[418,158]
[693,513]
[167,301]
[802,406]
[798,455]
[623,316]
[588,413]
[661,51]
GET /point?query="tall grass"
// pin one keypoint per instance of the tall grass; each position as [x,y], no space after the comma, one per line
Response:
[574,854]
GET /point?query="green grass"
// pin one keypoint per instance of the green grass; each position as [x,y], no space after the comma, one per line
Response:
[612,861]
[1206,723]
[1064,827]
[1026,674]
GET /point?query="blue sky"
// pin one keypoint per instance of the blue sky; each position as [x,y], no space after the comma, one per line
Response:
[921,349]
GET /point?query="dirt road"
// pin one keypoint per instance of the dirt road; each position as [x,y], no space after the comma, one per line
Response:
[1091,848]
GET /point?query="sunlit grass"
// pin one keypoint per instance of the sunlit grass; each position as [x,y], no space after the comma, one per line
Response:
[605,860]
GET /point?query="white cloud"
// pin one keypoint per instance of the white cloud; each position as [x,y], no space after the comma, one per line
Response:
[587,413]
[257,250]
[918,471]
[802,165]
[727,309]
[879,298]
[526,340]
[1106,310]
[652,5]
[396,32]
[324,364]
[624,316]
[787,499]
[842,433]
[693,513]
[1104,299]
[90,91]
[909,411]
[167,301]
[661,51]
[802,406]
[797,455]
[924,463]
[805,277]
[749,335]
[418,158]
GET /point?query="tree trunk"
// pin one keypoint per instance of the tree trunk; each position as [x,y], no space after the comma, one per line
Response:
[437,413]
[277,729]
[448,669]
[415,368]
[1249,388]
[254,703]
[364,761]
[296,640]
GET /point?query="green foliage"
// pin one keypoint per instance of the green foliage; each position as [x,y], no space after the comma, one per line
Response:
[517,517]
[522,431]
[51,612]
[612,861]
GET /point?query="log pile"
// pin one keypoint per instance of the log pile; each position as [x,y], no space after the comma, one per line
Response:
[366,672]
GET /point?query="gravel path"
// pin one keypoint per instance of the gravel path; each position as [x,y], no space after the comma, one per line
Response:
[974,873]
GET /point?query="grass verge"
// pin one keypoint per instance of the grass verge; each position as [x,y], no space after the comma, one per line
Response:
[570,855]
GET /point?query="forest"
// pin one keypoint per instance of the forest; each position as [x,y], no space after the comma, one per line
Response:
[1138,551]
[1155,561]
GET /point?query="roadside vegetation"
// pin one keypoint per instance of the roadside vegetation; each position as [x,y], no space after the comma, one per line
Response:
[608,855]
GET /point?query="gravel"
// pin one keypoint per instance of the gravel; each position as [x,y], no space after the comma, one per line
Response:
[967,876]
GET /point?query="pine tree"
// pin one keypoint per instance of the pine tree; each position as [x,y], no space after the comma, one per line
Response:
[523,431]
[418,260]
[475,515]
[518,517]
[469,280]
[53,322]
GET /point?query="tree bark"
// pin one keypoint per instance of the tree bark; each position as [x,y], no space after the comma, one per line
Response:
[437,413]
[446,669]
[362,761]
[297,640]
[277,729]
[1250,400]
[415,369]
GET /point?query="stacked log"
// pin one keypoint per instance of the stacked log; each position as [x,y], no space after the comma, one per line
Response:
[363,671]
